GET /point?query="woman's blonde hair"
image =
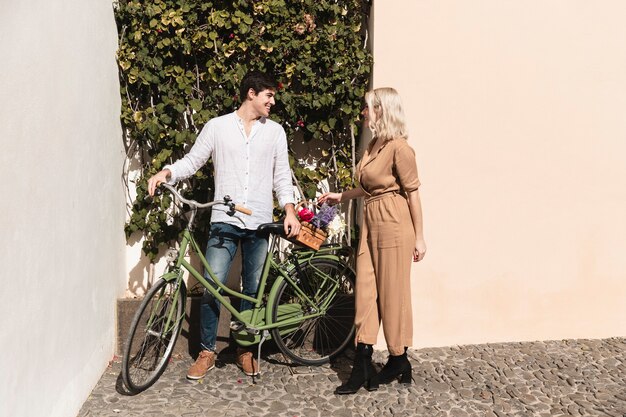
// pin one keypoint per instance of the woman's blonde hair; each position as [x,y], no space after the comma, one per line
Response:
[386,104]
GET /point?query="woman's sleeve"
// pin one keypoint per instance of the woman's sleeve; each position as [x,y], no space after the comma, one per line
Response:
[405,166]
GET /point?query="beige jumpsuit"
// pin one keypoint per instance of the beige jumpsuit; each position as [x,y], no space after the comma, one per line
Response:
[383,291]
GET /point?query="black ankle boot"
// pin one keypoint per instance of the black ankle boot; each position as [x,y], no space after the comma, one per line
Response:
[363,372]
[396,366]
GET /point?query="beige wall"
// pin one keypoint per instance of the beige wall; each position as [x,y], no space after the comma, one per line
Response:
[517,111]
[62,250]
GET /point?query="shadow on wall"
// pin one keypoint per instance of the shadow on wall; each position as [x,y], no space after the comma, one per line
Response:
[144,274]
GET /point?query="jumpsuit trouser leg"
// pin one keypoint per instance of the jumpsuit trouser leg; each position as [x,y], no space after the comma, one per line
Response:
[383,285]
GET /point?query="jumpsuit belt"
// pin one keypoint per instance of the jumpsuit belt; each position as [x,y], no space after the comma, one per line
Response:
[373,198]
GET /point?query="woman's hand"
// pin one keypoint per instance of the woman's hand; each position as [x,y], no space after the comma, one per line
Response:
[330,198]
[419,251]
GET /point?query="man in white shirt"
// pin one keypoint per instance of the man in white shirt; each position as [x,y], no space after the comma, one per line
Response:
[250,159]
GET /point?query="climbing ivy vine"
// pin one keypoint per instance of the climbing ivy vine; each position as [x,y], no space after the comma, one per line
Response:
[181,62]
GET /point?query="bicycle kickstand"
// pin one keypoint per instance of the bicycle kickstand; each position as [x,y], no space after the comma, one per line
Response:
[264,337]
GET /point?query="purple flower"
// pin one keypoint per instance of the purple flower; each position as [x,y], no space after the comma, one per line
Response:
[325,215]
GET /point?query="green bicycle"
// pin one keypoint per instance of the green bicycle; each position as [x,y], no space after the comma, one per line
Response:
[305,304]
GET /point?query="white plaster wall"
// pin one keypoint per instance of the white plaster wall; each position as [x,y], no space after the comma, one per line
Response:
[62,248]
[516,110]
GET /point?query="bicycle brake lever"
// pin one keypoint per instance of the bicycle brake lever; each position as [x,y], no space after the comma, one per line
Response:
[231,206]
[148,199]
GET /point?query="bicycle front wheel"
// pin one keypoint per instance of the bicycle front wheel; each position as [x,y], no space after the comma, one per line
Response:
[329,285]
[153,333]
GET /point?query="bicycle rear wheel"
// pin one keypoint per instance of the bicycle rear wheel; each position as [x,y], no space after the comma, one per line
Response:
[153,333]
[329,284]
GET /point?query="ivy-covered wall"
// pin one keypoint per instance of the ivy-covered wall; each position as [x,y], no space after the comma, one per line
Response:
[181,62]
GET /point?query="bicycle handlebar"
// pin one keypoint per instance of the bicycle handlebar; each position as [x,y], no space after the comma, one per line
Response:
[242,209]
[227,201]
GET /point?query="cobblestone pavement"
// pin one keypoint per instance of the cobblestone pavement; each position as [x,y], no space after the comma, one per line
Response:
[554,378]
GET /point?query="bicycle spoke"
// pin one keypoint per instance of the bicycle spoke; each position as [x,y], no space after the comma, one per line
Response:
[329,286]
[153,333]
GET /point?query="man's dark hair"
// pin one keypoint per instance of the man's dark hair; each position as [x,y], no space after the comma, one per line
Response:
[258,81]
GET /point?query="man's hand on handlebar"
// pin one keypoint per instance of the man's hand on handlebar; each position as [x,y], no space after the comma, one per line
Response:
[157,179]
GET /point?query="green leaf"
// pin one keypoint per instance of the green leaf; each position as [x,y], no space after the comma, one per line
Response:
[195,104]
[174,81]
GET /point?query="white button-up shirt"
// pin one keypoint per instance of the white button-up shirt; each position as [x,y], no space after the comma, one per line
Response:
[247,168]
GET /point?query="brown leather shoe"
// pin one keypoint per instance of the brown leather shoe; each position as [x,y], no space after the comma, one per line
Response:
[204,363]
[247,362]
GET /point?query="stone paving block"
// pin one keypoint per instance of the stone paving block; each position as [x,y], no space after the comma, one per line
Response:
[188,342]
[504,379]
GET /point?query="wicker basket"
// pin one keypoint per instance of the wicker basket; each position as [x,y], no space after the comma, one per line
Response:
[310,236]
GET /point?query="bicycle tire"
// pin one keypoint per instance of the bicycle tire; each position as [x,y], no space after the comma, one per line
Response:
[315,341]
[148,349]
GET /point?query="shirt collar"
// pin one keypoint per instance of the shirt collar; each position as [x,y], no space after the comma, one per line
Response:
[261,120]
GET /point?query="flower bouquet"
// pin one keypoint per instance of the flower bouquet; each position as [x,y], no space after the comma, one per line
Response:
[315,226]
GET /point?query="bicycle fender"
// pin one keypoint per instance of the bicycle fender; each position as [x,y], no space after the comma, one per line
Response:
[271,299]
[328,256]
[314,257]
[170,276]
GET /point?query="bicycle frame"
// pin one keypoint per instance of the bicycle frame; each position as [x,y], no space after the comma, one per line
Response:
[254,321]
[293,293]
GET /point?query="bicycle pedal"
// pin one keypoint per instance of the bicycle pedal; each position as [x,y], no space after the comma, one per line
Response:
[237,326]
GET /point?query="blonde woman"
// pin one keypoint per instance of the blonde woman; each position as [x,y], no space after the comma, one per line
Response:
[391,236]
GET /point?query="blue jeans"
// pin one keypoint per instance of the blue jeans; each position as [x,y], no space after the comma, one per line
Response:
[220,252]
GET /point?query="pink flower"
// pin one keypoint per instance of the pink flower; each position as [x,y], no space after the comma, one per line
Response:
[305,214]
[300,123]
[232,35]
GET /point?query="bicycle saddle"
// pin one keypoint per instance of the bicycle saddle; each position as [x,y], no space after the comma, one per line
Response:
[276,228]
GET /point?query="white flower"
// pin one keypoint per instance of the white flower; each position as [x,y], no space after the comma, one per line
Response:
[336,227]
